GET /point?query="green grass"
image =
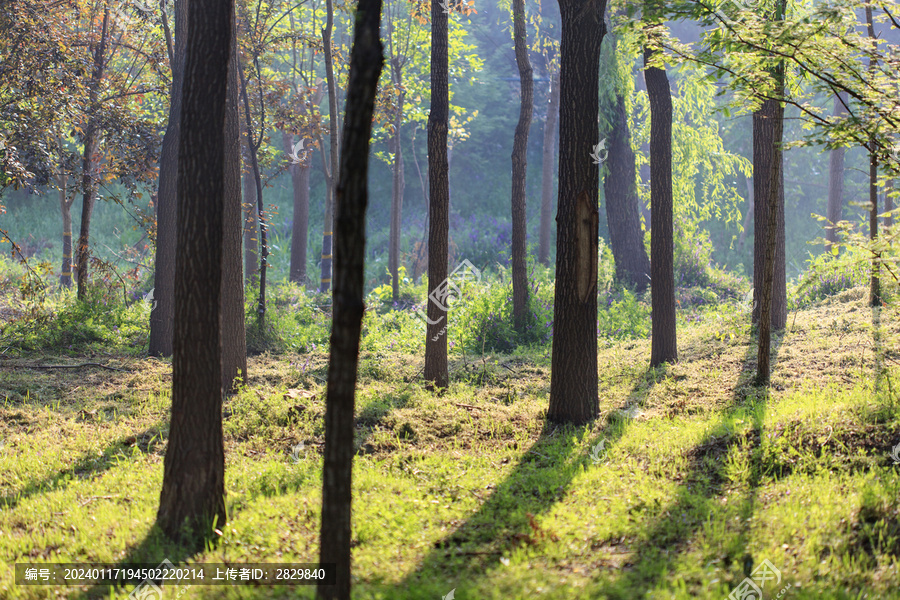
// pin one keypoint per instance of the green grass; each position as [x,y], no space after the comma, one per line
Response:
[702,474]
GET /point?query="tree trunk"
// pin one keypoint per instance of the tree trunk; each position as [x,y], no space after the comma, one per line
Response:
[300,226]
[350,243]
[192,501]
[435,370]
[765,143]
[398,183]
[875,283]
[835,180]
[774,204]
[664,346]
[547,165]
[91,142]
[234,338]
[251,231]
[65,207]
[333,129]
[573,379]
[519,171]
[163,316]
[626,238]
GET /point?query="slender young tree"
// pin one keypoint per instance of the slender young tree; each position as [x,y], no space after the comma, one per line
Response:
[436,370]
[519,170]
[192,500]
[334,153]
[663,345]
[875,281]
[398,183]
[573,379]
[366,60]
[547,163]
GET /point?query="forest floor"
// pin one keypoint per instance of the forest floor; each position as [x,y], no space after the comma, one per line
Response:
[688,482]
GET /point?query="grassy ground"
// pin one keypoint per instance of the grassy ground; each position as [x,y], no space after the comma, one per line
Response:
[699,478]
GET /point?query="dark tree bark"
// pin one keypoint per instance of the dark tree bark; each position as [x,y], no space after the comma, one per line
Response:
[875,282]
[192,501]
[350,242]
[436,371]
[547,164]
[765,142]
[163,316]
[333,129]
[300,226]
[626,238]
[398,183]
[91,139]
[573,380]
[774,204]
[251,225]
[234,335]
[65,207]
[519,171]
[664,346]
[835,180]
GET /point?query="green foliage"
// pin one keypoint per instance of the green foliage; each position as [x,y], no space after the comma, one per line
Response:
[296,320]
[827,274]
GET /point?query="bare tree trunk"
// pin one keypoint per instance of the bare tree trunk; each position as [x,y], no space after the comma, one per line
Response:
[91,135]
[519,171]
[251,231]
[65,207]
[398,183]
[162,317]
[436,371]
[875,283]
[352,196]
[626,237]
[547,164]
[573,379]
[765,143]
[835,180]
[664,346]
[192,501]
[333,129]
[300,226]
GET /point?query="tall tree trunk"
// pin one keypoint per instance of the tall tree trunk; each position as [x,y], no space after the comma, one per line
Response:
[333,129]
[163,316]
[233,333]
[519,171]
[436,371]
[774,204]
[192,500]
[253,145]
[664,346]
[875,282]
[835,180]
[352,195]
[65,207]
[91,143]
[573,379]
[251,231]
[547,164]
[300,226]
[765,144]
[398,183]
[626,238]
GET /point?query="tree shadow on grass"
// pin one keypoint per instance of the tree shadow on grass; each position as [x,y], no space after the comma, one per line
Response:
[695,503]
[89,465]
